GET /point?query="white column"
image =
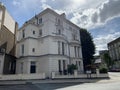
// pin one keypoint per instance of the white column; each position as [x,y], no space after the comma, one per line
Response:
[61,65]
[27,67]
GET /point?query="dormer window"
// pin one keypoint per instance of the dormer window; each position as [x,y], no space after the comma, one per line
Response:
[22,49]
[74,36]
[59,21]
[40,20]
[23,33]
[70,28]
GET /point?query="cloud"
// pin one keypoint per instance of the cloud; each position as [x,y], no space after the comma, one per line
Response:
[44,6]
[16,3]
[69,6]
[106,11]
[109,10]
[26,7]
[94,18]
[83,19]
[85,13]
[29,7]
[65,4]
[102,40]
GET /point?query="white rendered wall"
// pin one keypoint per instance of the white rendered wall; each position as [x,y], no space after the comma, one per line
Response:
[47,44]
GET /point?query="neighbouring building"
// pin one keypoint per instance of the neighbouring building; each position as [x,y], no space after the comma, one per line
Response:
[48,43]
[102,54]
[114,51]
[8,28]
[98,60]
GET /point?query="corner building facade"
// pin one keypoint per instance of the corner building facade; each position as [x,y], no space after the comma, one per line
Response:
[114,52]
[48,43]
[8,28]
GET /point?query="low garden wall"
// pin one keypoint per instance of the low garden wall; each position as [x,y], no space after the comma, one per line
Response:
[76,75]
[22,76]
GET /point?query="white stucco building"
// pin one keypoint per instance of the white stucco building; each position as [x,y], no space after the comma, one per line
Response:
[48,43]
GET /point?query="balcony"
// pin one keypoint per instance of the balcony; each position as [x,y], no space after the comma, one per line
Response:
[60,36]
[75,42]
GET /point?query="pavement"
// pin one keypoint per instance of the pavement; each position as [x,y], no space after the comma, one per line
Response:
[64,84]
[21,82]
[112,84]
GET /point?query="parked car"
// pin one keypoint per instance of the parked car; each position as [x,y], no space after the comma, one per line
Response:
[115,70]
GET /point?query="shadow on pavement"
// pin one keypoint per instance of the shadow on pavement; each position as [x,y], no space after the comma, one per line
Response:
[56,84]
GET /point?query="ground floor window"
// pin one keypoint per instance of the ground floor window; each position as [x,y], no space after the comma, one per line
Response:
[62,67]
[78,64]
[33,67]
[21,67]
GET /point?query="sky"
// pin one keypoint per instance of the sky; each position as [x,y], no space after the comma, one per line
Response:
[100,17]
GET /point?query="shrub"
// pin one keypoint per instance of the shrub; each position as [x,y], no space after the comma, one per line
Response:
[103,70]
[71,68]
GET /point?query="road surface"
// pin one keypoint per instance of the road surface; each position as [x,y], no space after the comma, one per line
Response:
[108,84]
[112,84]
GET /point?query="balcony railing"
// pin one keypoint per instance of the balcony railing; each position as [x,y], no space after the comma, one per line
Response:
[60,36]
[74,41]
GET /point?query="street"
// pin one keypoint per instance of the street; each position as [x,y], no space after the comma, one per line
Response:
[112,84]
[106,84]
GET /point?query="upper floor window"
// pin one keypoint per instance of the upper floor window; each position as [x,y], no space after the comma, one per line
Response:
[22,49]
[63,48]
[33,32]
[23,33]
[58,47]
[40,20]
[33,50]
[70,28]
[58,21]
[75,51]
[59,31]
[74,36]
[40,32]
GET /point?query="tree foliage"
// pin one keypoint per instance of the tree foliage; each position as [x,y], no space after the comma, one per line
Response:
[88,47]
[71,68]
[108,60]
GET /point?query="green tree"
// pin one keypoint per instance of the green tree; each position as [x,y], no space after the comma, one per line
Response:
[88,47]
[107,60]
